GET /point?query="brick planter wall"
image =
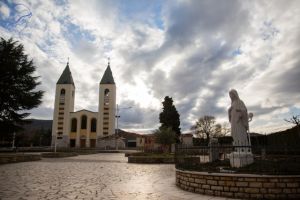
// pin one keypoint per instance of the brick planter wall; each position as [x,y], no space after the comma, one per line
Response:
[240,185]
[149,159]
[12,158]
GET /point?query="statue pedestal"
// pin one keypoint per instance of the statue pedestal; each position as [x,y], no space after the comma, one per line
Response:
[240,159]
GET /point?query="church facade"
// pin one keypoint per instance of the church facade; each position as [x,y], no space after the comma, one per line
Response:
[83,128]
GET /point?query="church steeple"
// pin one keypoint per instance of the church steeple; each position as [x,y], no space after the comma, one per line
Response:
[107,77]
[63,105]
[107,104]
[66,76]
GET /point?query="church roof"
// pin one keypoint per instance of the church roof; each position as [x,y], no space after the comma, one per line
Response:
[107,77]
[66,76]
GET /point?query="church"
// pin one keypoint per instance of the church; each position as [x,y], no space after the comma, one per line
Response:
[83,128]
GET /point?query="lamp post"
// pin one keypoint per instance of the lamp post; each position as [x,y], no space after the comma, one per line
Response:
[117,118]
[55,142]
[13,142]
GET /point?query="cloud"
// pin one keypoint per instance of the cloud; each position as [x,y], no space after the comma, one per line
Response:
[4,10]
[193,51]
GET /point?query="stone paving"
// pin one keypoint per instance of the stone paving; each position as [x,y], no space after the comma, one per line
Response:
[97,176]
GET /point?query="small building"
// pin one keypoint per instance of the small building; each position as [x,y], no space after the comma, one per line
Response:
[187,139]
[150,144]
[140,142]
[110,142]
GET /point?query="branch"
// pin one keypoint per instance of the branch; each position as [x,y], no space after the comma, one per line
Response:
[294,120]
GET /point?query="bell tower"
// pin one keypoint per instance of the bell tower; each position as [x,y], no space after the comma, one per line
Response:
[107,104]
[63,105]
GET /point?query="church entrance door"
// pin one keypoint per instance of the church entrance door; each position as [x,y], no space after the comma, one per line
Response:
[92,143]
[82,143]
[72,143]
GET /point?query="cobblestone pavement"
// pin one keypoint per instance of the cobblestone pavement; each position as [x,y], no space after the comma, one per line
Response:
[97,176]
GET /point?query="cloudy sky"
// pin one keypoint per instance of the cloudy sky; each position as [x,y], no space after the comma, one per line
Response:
[193,51]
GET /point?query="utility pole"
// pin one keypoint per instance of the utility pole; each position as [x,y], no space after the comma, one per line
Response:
[117,132]
[13,142]
[117,118]
[55,142]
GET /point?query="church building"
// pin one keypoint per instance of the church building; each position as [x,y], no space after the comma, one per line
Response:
[83,128]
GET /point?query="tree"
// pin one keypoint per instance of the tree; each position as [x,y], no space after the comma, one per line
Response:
[165,136]
[206,127]
[169,117]
[295,119]
[17,86]
[225,129]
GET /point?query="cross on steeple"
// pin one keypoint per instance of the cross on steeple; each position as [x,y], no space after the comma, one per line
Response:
[107,78]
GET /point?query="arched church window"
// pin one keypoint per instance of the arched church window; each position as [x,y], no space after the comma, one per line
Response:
[62,92]
[74,125]
[62,96]
[106,92]
[93,125]
[83,122]
[106,97]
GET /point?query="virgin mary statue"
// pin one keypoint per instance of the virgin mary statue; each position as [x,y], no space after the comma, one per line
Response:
[238,118]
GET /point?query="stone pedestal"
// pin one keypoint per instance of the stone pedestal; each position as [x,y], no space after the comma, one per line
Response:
[213,150]
[240,159]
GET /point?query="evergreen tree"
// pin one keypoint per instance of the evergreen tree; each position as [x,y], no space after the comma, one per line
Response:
[166,137]
[169,117]
[17,86]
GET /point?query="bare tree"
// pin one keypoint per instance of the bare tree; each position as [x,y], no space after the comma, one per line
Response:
[225,128]
[206,127]
[295,119]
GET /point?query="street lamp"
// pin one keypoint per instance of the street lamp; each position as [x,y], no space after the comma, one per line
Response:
[55,142]
[117,118]
[13,142]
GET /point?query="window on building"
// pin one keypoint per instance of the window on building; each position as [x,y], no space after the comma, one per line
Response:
[83,122]
[106,92]
[74,125]
[106,97]
[62,96]
[93,125]
[62,92]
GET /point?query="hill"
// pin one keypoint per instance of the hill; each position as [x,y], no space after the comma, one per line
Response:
[37,124]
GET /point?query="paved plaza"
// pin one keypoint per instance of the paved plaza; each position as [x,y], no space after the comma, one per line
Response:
[97,176]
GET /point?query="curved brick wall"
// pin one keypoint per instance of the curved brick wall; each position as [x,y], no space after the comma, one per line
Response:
[240,185]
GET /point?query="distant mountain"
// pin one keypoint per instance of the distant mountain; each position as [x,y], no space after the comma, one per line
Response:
[37,124]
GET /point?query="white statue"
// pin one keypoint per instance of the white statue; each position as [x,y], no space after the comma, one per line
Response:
[239,120]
